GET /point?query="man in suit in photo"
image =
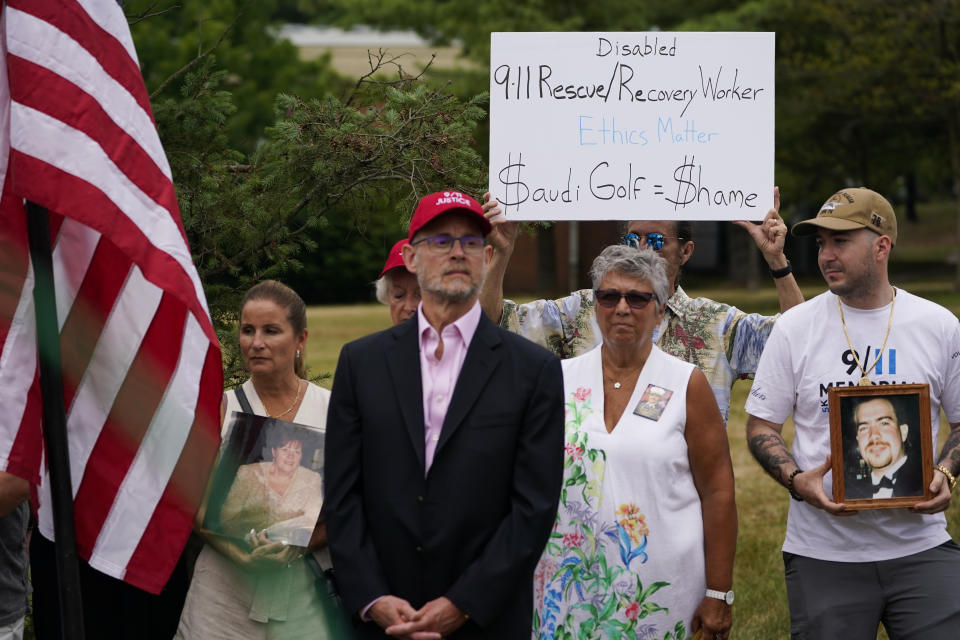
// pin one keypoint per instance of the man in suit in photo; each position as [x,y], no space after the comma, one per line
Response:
[444,452]
[881,443]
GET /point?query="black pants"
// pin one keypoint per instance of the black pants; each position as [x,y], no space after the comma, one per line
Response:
[112,609]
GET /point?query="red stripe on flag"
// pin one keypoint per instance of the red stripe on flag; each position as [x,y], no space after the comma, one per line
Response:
[98,292]
[64,192]
[121,436]
[55,221]
[39,88]
[14,258]
[25,454]
[166,533]
[70,18]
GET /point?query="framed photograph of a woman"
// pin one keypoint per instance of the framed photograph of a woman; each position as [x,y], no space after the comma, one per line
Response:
[268,481]
[881,445]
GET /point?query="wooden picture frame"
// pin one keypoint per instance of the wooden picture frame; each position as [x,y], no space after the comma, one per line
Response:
[867,443]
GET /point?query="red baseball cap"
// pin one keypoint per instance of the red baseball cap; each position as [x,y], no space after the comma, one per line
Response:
[442,202]
[395,257]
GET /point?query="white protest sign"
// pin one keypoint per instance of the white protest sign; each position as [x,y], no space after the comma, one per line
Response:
[629,126]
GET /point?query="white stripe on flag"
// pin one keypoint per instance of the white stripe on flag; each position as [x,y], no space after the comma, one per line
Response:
[150,472]
[18,363]
[70,264]
[111,21]
[37,134]
[116,349]
[45,45]
[4,103]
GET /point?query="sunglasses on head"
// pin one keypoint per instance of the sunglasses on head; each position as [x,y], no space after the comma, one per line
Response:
[654,240]
[610,298]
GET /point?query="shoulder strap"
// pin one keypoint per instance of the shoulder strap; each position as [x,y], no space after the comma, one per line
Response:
[242,399]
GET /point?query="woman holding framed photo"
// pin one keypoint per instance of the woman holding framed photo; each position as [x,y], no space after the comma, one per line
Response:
[262,587]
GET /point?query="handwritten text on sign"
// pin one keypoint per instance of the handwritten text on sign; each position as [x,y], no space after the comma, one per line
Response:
[602,126]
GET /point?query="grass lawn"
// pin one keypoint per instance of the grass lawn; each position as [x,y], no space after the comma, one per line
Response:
[761,608]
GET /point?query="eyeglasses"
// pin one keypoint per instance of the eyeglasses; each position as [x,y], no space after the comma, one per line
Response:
[654,240]
[471,245]
[610,298]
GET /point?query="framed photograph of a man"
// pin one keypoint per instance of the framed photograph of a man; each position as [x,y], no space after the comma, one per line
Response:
[268,481]
[881,445]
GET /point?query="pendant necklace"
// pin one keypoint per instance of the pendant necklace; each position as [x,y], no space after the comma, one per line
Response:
[290,408]
[864,380]
[617,384]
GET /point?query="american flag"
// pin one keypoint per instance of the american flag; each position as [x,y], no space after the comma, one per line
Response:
[141,362]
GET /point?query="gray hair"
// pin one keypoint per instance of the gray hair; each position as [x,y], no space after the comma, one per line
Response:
[380,288]
[645,264]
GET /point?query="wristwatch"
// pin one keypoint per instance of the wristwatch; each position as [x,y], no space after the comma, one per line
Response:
[726,596]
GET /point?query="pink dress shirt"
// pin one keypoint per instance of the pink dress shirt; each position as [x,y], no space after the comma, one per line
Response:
[439,377]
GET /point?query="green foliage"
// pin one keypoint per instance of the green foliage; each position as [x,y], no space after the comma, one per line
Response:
[866,90]
[271,154]
[170,34]
[254,216]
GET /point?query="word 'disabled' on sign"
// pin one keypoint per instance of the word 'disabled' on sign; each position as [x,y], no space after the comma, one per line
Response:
[604,126]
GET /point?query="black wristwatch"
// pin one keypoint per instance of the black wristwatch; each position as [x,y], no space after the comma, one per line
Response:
[784,271]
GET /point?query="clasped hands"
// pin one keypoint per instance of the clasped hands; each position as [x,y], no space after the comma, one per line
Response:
[435,620]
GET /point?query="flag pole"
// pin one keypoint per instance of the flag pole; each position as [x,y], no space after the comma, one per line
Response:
[55,423]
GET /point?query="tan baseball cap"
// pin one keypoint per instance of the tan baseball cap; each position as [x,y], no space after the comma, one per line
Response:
[849,209]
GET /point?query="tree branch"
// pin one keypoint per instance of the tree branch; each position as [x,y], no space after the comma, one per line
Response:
[134,18]
[200,56]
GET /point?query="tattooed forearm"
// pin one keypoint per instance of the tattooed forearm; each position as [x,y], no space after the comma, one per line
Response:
[950,454]
[770,451]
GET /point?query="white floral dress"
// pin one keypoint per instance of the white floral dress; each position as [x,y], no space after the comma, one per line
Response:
[625,558]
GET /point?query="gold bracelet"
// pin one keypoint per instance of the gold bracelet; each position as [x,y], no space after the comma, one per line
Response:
[950,477]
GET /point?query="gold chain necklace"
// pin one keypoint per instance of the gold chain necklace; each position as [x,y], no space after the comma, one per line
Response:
[296,399]
[865,381]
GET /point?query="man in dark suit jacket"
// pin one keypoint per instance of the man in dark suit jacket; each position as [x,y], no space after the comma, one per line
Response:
[881,443]
[444,452]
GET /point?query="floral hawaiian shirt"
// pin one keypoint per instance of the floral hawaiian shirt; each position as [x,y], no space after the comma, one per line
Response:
[722,340]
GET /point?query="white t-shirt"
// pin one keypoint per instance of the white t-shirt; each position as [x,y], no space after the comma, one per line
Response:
[805,355]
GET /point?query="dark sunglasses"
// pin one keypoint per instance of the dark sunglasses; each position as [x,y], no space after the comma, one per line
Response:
[654,240]
[610,298]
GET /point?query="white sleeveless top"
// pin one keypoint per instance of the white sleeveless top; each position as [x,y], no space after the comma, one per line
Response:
[312,411]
